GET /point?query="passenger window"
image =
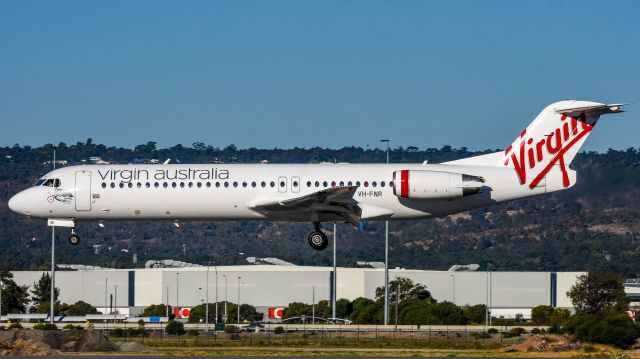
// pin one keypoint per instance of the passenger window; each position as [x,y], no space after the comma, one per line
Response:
[104,185]
[235,184]
[282,184]
[295,183]
[174,185]
[341,183]
[147,184]
[190,184]
[208,184]
[156,185]
[317,184]
[165,184]
[374,183]
[382,184]
[333,183]
[263,184]
[390,183]
[121,185]
[273,184]
[181,184]
[113,185]
[253,184]
[139,185]
[244,184]
[226,184]
[218,184]
[130,185]
[350,184]
[199,185]
[308,183]
[324,184]
[358,183]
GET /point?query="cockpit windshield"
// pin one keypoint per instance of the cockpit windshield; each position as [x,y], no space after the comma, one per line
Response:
[49,182]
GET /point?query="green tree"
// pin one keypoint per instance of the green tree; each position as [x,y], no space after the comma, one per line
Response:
[475,313]
[541,315]
[14,297]
[157,310]
[78,308]
[41,294]
[445,313]
[406,289]
[199,313]
[595,292]
[366,311]
[559,317]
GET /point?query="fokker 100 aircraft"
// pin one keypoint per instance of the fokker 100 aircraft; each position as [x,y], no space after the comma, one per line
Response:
[537,162]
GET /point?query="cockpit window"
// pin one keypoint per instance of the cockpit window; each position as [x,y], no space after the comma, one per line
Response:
[51,182]
[40,182]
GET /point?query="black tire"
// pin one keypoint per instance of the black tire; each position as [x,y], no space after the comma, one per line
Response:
[318,240]
[74,239]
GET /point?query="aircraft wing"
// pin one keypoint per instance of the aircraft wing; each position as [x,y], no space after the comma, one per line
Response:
[330,202]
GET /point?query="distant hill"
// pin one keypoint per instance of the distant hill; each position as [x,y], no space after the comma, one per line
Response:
[594,225]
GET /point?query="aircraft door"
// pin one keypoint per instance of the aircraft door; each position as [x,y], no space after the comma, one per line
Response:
[295,184]
[83,190]
[282,184]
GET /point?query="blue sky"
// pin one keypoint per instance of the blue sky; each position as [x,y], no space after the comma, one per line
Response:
[311,73]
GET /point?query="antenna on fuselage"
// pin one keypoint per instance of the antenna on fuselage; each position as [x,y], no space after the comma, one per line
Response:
[167,161]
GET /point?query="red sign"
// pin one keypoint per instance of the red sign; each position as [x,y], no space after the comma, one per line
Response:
[276,313]
[181,313]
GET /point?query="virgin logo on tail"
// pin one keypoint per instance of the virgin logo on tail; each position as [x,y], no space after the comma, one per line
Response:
[530,155]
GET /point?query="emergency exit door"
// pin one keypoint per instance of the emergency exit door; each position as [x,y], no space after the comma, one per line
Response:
[83,190]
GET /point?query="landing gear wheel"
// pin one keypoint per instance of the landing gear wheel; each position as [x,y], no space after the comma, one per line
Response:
[318,240]
[74,239]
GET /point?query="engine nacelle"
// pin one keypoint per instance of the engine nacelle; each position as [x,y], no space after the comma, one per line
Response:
[435,184]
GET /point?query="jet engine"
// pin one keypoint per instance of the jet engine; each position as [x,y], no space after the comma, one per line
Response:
[435,184]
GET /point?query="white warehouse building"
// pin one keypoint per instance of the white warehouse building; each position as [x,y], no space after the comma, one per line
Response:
[265,286]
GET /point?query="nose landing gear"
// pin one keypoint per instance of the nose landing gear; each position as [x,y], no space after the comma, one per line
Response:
[74,239]
[317,239]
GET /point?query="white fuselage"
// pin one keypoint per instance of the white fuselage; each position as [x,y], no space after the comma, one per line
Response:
[232,191]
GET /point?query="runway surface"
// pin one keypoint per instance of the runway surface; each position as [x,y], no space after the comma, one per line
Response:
[116,356]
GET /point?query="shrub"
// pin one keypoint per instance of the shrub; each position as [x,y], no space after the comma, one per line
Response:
[15,325]
[117,333]
[134,332]
[517,331]
[536,331]
[174,328]
[607,328]
[45,326]
[68,326]
[278,330]
[492,331]
[193,332]
[231,329]
[482,335]
[590,349]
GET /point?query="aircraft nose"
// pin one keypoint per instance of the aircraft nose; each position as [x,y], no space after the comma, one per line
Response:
[16,203]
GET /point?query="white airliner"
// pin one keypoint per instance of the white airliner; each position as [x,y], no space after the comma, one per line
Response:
[536,162]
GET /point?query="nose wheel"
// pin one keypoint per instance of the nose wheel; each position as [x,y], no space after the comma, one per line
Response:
[74,239]
[318,240]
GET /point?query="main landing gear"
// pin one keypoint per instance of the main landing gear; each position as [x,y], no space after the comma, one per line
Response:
[74,239]
[317,239]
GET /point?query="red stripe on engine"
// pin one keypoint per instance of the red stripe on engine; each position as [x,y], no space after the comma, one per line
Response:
[404,183]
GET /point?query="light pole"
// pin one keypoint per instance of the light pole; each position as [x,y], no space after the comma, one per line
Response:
[206,315]
[1,287]
[226,292]
[215,266]
[53,259]
[106,290]
[313,304]
[490,290]
[239,278]
[115,302]
[167,306]
[177,291]
[453,280]
[386,256]
[335,275]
